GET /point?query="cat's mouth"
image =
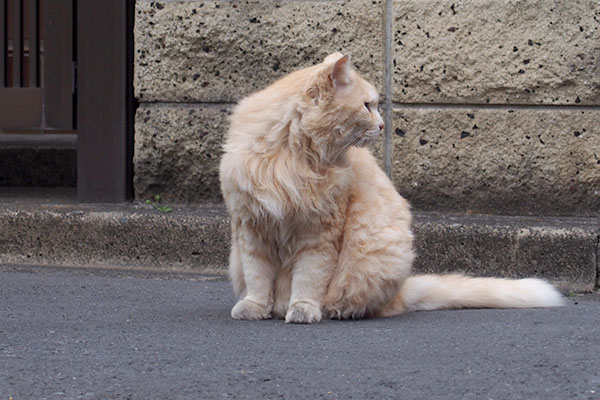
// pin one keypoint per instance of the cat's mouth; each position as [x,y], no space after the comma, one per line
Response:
[367,138]
[371,135]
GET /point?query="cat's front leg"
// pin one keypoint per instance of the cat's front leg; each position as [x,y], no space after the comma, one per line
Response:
[310,278]
[283,288]
[258,274]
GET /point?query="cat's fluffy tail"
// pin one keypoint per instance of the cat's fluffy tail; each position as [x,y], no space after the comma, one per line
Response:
[433,292]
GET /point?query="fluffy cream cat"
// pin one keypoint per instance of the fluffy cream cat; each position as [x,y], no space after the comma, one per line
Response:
[317,228]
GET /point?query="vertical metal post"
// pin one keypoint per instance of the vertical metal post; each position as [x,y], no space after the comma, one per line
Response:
[388,72]
[104,100]
[3,47]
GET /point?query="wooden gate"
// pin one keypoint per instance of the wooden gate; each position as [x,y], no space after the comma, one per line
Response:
[66,67]
[37,65]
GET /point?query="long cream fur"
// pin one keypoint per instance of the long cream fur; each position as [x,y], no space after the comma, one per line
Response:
[318,229]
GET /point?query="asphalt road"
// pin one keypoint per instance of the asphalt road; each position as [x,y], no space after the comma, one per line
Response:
[69,334]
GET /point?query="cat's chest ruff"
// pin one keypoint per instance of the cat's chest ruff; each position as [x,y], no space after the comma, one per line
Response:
[289,236]
[291,196]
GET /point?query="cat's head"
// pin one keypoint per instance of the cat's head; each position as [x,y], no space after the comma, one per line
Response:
[340,108]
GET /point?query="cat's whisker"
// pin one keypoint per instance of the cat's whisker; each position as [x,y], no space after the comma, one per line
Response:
[353,140]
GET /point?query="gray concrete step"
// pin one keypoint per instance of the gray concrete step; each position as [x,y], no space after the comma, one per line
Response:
[41,231]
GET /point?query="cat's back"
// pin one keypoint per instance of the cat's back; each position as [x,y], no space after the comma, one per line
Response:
[258,122]
[268,104]
[372,190]
[257,166]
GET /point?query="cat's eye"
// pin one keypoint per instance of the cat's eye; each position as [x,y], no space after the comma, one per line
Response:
[367,107]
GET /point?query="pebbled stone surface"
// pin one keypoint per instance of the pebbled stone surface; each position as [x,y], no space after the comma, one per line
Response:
[488,51]
[499,161]
[214,51]
[177,151]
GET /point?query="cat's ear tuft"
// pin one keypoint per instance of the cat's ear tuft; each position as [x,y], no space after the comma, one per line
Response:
[333,57]
[341,75]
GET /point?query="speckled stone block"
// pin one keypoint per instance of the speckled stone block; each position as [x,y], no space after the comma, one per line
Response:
[213,51]
[527,161]
[177,151]
[489,51]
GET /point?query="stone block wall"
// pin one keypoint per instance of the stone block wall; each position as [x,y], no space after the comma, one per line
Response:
[490,106]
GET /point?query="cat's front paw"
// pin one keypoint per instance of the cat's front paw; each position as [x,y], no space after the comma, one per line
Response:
[249,310]
[303,313]
[280,309]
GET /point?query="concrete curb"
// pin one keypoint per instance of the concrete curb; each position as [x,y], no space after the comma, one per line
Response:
[196,238]
[562,250]
[127,236]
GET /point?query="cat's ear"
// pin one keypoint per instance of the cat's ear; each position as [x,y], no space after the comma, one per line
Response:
[341,75]
[333,57]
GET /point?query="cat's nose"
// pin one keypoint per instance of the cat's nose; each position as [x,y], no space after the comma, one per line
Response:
[381,126]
